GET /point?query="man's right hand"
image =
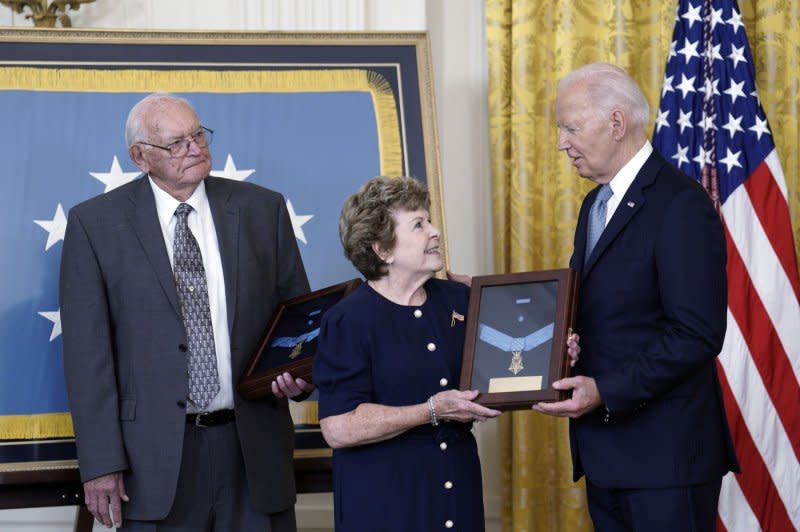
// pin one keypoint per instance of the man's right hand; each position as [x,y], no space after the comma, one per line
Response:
[106,492]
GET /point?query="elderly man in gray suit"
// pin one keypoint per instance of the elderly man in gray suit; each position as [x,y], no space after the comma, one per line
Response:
[166,286]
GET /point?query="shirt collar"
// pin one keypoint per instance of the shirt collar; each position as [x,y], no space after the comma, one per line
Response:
[166,204]
[622,181]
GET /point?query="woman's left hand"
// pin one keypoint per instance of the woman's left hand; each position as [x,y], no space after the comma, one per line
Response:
[573,348]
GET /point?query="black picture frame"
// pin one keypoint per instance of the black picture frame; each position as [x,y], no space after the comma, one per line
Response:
[290,340]
[516,334]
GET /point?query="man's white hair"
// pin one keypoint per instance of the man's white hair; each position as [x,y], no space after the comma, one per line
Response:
[609,88]
[135,122]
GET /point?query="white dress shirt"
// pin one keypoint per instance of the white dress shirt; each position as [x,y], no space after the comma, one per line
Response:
[622,181]
[201,224]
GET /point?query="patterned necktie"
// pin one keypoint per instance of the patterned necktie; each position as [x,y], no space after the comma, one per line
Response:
[190,280]
[597,220]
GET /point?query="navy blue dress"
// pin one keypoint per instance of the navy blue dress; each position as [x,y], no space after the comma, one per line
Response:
[375,351]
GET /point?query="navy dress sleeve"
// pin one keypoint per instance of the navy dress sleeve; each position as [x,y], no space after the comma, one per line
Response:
[342,368]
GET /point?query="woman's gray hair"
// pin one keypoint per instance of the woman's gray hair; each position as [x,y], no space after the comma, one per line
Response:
[610,87]
[135,122]
[366,219]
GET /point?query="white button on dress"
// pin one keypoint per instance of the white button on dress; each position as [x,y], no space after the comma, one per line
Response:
[418,313]
[431,347]
[442,382]
[443,446]
[448,524]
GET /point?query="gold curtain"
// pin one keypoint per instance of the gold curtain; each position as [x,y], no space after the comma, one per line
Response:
[536,194]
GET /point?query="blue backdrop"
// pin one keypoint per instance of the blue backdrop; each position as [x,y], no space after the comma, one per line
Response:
[314,148]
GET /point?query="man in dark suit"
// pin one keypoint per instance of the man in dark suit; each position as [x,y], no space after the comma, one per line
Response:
[648,427]
[159,322]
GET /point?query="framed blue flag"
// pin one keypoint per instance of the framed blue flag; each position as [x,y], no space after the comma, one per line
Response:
[312,116]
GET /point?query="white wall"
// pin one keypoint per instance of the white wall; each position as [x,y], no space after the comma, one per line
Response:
[458,49]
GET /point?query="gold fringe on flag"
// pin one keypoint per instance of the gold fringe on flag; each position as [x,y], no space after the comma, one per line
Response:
[227,82]
[35,426]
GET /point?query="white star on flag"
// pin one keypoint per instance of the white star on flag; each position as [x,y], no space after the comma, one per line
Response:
[692,15]
[759,127]
[666,86]
[681,155]
[733,125]
[685,119]
[230,171]
[731,159]
[737,55]
[55,227]
[716,18]
[735,90]
[689,50]
[735,21]
[702,157]
[115,177]
[55,317]
[710,87]
[298,221]
[686,85]
[661,120]
[714,52]
[707,122]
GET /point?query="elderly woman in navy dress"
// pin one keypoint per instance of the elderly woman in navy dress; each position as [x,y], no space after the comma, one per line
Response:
[387,372]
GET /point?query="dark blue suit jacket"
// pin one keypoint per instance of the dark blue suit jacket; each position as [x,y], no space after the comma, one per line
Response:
[652,317]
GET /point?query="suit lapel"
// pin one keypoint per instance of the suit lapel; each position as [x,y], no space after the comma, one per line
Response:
[579,251]
[144,218]
[225,211]
[630,204]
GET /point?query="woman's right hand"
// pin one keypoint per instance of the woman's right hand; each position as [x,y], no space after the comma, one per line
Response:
[457,405]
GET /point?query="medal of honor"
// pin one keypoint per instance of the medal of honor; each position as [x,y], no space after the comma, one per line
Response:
[516,362]
[515,346]
[295,342]
[296,350]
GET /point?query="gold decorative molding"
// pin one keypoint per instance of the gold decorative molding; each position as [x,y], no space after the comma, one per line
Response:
[44,15]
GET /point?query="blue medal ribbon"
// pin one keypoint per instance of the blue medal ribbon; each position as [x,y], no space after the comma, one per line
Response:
[513,345]
[291,341]
[510,344]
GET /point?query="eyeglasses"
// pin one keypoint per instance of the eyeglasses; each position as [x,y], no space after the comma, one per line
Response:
[202,138]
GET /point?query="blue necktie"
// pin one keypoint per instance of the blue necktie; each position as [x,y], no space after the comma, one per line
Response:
[190,280]
[597,220]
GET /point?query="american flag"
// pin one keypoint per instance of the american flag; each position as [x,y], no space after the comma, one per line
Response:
[711,125]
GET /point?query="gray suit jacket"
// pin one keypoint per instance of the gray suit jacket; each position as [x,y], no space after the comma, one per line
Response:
[124,339]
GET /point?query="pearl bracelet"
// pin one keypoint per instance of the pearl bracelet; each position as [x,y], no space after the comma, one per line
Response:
[432,412]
